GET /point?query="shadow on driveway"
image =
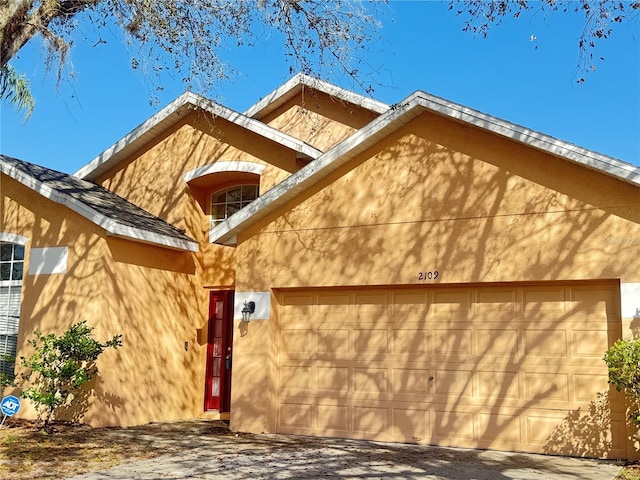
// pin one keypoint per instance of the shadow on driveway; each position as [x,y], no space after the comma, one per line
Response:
[204,450]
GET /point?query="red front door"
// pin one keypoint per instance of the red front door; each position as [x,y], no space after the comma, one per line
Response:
[217,389]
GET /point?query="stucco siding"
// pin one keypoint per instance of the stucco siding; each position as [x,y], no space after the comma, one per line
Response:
[145,293]
[437,196]
[440,196]
[441,233]
[155,171]
[318,119]
[153,179]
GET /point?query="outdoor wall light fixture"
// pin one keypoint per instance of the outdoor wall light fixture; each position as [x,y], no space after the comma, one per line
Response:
[247,310]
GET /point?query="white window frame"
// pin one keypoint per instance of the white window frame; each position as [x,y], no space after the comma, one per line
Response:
[214,220]
[10,305]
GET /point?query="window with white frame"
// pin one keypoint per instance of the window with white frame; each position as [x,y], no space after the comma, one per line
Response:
[11,270]
[228,201]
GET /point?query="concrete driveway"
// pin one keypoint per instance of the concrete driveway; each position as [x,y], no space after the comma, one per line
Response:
[215,456]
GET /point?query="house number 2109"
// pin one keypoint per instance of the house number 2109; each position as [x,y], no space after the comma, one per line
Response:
[432,275]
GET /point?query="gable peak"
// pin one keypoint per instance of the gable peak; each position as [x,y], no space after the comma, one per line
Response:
[296,86]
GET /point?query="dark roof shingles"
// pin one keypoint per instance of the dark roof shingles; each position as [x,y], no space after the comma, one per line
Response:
[98,199]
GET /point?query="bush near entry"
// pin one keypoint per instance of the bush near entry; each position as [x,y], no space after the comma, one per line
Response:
[60,366]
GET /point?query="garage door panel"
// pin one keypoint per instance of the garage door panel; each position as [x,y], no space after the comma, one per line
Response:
[594,314]
[544,387]
[332,417]
[594,301]
[540,302]
[333,340]
[333,379]
[554,432]
[545,343]
[370,305]
[452,302]
[370,419]
[587,387]
[299,306]
[497,341]
[297,340]
[539,426]
[411,424]
[413,341]
[514,367]
[498,302]
[497,384]
[590,343]
[373,340]
[410,381]
[451,425]
[409,306]
[502,427]
[370,380]
[452,342]
[296,378]
[298,416]
[451,382]
[296,313]
[333,305]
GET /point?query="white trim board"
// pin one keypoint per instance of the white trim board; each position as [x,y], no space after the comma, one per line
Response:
[13,238]
[170,115]
[220,167]
[48,260]
[397,116]
[112,227]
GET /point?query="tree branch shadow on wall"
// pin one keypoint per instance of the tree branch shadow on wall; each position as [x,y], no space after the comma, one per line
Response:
[75,410]
[475,221]
[584,433]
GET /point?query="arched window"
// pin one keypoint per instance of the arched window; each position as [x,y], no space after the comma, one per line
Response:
[11,270]
[228,201]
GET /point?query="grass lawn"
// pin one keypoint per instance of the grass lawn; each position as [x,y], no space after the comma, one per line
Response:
[630,472]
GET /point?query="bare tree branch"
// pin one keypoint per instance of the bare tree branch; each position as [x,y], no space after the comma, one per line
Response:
[186,37]
[599,16]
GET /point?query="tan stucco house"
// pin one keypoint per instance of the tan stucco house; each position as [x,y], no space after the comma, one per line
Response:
[421,272]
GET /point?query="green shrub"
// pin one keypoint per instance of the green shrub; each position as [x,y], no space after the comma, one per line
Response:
[7,379]
[60,366]
[623,360]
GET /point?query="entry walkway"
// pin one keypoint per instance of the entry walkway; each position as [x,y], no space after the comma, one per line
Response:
[242,457]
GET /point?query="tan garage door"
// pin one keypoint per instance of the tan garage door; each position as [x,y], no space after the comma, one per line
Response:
[508,367]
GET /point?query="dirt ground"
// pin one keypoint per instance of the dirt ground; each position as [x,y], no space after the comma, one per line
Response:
[27,452]
[201,449]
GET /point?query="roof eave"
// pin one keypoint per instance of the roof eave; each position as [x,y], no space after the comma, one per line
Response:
[540,141]
[170,115]
[397,116]
[148,238]
[111,227]
[293,87]
[144,132]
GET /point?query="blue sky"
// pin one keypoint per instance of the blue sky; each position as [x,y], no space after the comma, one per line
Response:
[507,75]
